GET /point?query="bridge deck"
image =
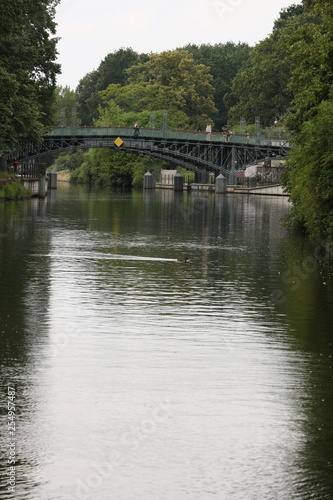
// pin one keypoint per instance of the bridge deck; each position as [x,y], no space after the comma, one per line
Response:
[149,133]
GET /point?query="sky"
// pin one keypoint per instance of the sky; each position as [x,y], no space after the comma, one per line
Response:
[89,30]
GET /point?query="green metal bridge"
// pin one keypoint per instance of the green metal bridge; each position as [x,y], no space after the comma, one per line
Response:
[189,149]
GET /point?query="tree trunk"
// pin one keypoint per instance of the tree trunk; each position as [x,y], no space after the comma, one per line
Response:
[3,163]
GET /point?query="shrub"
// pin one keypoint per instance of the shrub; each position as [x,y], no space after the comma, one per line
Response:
[14,191]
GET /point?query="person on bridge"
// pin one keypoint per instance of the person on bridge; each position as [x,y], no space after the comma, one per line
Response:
[136,129]
[208,132]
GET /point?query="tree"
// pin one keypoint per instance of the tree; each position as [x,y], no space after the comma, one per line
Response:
[65,104]
[176,83]
[112,70]
[27,70]
[310,51]
[88,98]
[109,167]
[309,172]
[262,88]
[136,102]
[309,175]
[224,61]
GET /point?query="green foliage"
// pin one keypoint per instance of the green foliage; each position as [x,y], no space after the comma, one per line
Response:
[123,106]
[224,61]
[68,161]
[112,70]
[27,69]
[14,191]
[309,174]
[310,50]
[88,98]
[262,88]
[174,82]
[113,168]
[65,103]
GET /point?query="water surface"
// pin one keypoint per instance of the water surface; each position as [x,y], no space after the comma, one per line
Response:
[140,378]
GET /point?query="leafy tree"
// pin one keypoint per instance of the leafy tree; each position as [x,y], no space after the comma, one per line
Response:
[88,98]
[262,88]
[173,81]
[309,172]
[108,167]
[224,61]
[65,103]
[112,70]
[69,161]
[310,51]
[309,176]
[27,69]
[136,102]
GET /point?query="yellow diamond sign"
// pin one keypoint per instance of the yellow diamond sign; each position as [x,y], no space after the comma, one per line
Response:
[118,142]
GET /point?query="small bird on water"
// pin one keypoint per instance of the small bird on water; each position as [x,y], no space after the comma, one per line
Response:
[184,260]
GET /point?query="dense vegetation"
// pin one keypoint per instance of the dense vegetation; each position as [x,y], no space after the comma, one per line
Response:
[309,176]
[27,70]
[14,191]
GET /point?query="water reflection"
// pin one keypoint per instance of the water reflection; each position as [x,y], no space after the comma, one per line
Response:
[139,377]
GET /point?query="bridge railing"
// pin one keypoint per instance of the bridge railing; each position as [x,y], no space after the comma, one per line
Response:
[151,133]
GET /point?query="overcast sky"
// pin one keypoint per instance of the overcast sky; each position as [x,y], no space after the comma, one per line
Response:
[91,29]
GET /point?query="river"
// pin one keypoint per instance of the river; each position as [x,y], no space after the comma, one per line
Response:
[130,376]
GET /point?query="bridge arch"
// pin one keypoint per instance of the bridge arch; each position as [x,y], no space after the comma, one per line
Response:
[188,149]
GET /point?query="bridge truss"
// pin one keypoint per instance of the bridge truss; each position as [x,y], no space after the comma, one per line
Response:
[192,152]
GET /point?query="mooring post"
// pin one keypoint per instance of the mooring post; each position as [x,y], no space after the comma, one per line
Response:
[52,180]
[220,186]
[178,182]
[148,181]
[42,187]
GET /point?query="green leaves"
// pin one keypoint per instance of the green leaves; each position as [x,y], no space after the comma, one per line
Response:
[262,88]
[27,69]
[309,175]
[168,81]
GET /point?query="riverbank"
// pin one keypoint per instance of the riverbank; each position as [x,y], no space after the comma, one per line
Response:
[63,176]
[13,190]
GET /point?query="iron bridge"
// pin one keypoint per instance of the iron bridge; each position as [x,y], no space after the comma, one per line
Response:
[189,149]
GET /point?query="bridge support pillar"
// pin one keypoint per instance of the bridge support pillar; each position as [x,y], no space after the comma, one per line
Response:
[232,177]
[52,180]
[148,181]
[220,186]
[202,177]
[178,182]
[42,187]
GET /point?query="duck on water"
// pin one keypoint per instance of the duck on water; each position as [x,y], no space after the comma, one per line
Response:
[184,260]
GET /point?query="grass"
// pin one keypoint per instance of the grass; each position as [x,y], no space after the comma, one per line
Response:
[14,191]
[4,174]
